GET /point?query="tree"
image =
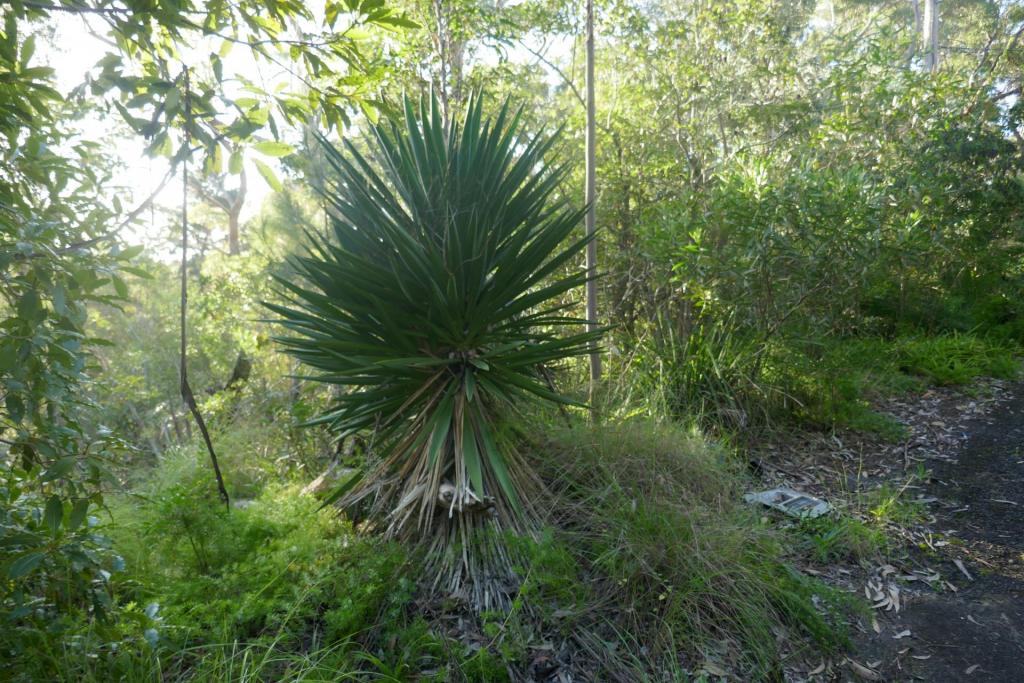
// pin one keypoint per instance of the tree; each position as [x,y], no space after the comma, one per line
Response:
[435,303]
[59,254]
[930,36]
[230,201]
[144,78]
[591,200]
[60,242]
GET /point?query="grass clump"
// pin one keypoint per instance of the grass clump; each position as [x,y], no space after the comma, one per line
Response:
[270,567]
[269,590]
[889,504]
[840,537]
[734,385]
[648,548]
[954,358]
[837,384]
[864,531]
[675,561]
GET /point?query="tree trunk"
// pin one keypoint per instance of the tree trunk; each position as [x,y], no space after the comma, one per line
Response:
[931,34]
[591,198]
[450,57]
[234,217]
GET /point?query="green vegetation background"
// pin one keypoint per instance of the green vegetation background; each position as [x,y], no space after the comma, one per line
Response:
[796,223]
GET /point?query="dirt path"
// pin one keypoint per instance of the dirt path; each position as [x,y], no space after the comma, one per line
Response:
[972,628]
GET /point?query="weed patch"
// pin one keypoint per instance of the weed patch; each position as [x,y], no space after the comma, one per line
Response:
[652,514]
[838,537]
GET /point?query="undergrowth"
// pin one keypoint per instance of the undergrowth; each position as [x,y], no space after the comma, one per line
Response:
[729,385]
[680,566]
[861,529]
[649,563]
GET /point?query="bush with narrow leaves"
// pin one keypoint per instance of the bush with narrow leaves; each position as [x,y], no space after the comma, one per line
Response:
[436,302]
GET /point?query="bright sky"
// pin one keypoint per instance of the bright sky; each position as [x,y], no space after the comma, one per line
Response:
[73,52]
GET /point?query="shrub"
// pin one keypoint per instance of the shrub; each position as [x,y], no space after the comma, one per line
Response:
[272,567]
[435,301]
[677,563]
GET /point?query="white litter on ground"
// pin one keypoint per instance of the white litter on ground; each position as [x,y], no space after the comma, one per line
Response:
[789,501]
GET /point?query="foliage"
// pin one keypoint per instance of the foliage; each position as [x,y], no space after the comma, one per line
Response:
[434,303]
[267,591]
[808,188]
[138,387]
[148,74]
[57,256]
[652,513]
[60,251]
[838,537]
[798,221]
[269,566]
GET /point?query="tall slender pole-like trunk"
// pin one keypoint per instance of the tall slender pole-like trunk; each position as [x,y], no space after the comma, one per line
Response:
[235,217]
[591,198]
[186,388]
[931,34]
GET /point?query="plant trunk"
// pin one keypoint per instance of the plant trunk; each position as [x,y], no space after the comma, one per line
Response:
[931,34]
[234,248]
[591,198]
[235,215]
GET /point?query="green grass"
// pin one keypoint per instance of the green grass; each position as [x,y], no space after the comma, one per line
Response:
[272,591]
[954,358]
[648,547]
[861,532]
[836,385]
[890,504]
[839,537]
[729,385]
[652,513]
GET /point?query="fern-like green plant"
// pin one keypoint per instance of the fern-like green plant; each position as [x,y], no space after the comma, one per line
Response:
[435,301]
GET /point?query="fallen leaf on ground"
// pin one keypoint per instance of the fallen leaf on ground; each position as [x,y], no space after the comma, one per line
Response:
[863,671]
[902,634]
[971,669]
[960,565]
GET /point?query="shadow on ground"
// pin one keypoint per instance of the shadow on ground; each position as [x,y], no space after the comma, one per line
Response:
[976,632]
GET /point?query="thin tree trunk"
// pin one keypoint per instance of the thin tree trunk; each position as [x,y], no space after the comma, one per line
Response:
[931,34]
[916,34]
[234,248]
[234,217]
[186,389]
[591,199]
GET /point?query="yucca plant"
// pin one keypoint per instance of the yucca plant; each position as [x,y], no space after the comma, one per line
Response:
[436,301]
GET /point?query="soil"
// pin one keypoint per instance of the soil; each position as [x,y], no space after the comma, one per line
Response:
[948,601]
[976,632]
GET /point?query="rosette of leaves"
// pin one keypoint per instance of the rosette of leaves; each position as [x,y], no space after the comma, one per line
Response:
[435,302]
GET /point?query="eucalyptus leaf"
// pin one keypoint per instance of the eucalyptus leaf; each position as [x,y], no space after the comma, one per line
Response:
[53,515]
[24,564]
